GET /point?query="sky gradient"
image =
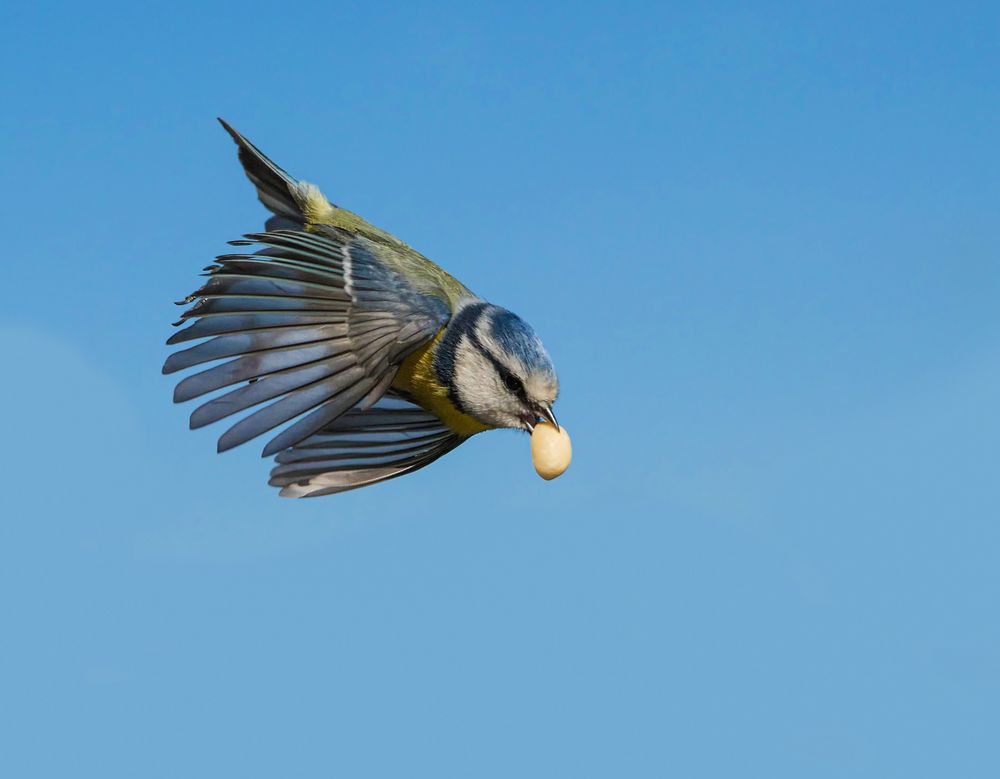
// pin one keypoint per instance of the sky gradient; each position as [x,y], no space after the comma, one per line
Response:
[760,244]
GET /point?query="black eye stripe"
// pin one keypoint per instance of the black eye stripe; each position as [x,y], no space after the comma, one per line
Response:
[511,382]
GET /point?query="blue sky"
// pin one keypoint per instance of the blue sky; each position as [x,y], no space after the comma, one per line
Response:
[760,243]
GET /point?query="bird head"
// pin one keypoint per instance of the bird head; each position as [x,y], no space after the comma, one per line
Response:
[502,374]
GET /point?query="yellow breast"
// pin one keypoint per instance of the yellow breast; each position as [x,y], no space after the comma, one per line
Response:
[417,379]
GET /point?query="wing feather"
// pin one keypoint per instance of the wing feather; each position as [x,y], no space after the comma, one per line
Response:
[363,447]
[251,342]
[319,323]
[266,388]
[245,323]
[340,391]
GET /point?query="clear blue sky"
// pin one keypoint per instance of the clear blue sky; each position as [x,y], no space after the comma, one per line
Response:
[760,242]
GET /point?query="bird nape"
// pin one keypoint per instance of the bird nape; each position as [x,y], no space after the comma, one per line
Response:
[367,359]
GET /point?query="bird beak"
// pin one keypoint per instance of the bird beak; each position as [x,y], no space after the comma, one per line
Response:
[548,416]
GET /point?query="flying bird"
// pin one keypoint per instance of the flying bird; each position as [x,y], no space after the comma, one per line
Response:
[381,361]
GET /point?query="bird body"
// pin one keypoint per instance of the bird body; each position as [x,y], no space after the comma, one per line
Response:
[384,361]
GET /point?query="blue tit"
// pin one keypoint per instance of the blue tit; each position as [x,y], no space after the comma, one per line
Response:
[381,361]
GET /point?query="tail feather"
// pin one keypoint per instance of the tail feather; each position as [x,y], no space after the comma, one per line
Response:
[275,188]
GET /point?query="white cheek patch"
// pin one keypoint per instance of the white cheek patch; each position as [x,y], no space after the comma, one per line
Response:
[478,387]
[473,376]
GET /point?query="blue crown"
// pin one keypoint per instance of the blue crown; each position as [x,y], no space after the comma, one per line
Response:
[516,337]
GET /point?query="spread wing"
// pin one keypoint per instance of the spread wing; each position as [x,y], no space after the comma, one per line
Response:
[317,323]
[363,447]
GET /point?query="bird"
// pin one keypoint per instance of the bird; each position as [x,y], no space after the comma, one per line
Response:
[380,360]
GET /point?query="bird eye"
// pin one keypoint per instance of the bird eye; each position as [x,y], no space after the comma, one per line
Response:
[512,383]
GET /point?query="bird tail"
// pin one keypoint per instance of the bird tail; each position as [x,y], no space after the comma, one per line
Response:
[279,192]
